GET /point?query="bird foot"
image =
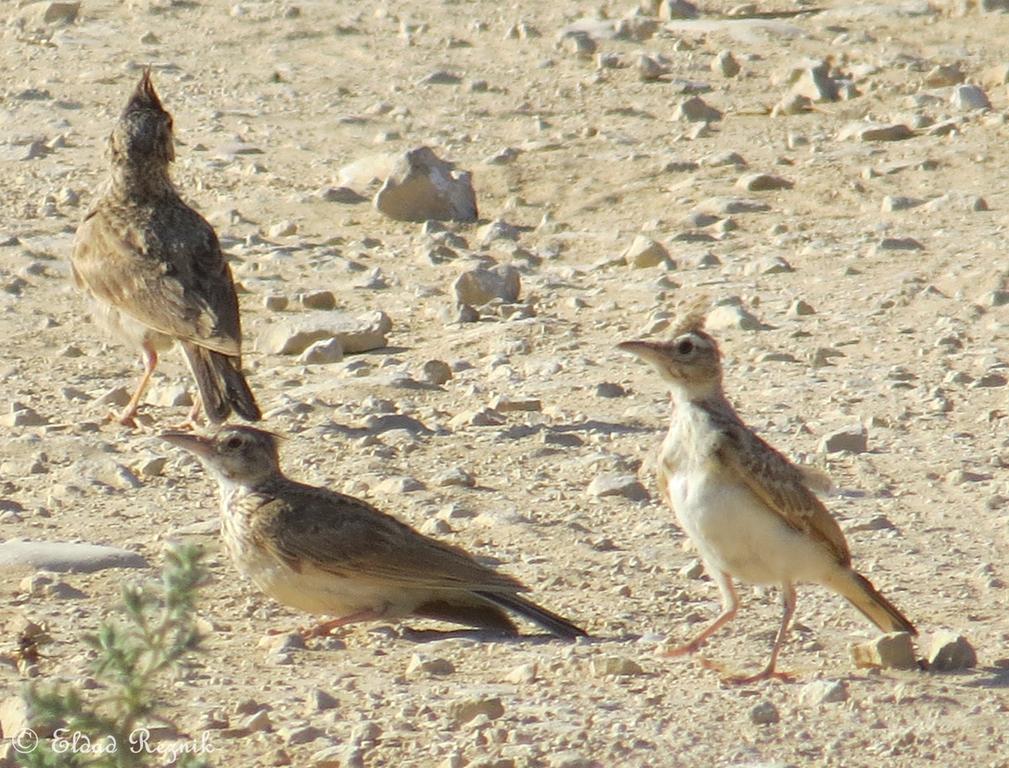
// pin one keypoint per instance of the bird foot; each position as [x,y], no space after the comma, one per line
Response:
[126,418]
[730,679]
[682,650]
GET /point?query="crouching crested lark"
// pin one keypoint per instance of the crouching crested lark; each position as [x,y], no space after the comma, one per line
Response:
[745,506]
[153,268]
[327,553]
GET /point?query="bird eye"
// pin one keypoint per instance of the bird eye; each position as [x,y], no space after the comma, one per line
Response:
[233,443]
[685,347]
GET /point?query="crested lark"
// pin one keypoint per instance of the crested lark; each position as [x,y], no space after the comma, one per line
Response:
[744,505]
[154,270]
[326,553]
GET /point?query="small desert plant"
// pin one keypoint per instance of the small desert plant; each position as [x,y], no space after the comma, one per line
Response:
[107,729]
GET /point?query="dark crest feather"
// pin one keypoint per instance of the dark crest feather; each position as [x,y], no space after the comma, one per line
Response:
[144,96]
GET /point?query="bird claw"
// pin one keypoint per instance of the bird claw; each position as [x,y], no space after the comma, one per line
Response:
[681,650]
[767,674]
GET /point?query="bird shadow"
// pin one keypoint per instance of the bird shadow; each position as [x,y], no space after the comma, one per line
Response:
[423,636]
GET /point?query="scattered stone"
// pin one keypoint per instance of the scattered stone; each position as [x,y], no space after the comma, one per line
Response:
[851,439]
[950,651]
[615,666]
[813,82]
[764,713]
[800,308]
[523,674]
[968,98]
[421,186]
[275,302]
[610,389]
[824,692]
[727,317]
[454,476]
[503,404]
[478,286]
[169,395]
[763,182]
[608,484]
[693,570]
[61,12]
[22,415]
[671,10]
[696,110]
[440,77]
[651,68]
[944,75]
[496,230]
[322,352]
[643,252]
[436,372]
[893,203]
[283,229]
[893,650]
[431,667]
[356,334]
[725,64]
[324,300]
[461,712]
[64,557]
[896,244]
[873,132]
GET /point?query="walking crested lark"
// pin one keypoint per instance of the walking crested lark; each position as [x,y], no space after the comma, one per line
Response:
[745,506]
[326,553]
[153,268]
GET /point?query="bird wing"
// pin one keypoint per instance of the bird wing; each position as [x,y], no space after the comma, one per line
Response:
[178,285]
[351,538]
[778,483]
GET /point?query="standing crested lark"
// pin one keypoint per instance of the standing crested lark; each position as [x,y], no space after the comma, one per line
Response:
[744,505]
[154,270]
[326,553]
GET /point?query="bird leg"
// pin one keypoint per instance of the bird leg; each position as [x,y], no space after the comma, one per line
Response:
[730,604]
[193,418]
[150,359]
[769,672]
[323,629]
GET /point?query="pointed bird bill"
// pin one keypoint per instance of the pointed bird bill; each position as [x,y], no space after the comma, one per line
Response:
[645,350]
[201,446]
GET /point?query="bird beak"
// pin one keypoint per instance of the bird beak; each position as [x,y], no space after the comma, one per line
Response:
[649,351]
[201,446]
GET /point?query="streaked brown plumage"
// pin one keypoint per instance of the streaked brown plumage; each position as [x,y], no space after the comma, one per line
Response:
[327,553]
[745,506]
[153,268]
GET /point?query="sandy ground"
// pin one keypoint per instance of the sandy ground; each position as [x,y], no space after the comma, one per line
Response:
[908,343]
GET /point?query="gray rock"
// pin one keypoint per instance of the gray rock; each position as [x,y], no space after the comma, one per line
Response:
[950,651]
[322,352]
[615,666]
[725,64]
[764,713]
[436,372]
[478,286]
[893,650]
[651,68]
[696,110]
[814,82]
[427,666]
[968,98]
[763,182]
[824,692]
[892,203]
[851,439]
[421,186]
[275,302]
[732,317]
[571,759]
[356,334]
[643,252]
[324,300]
[873,132]
[670,10]
[64,557]
[461,712]
[609,484]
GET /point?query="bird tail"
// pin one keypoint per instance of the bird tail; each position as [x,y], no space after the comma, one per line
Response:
[556,625]
[860,592]
[222,385]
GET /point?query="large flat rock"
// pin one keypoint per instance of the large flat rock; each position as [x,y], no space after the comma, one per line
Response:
[65,557]
[355,333]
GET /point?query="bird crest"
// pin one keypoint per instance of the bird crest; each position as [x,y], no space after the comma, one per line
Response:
[692,315]
[144,96]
